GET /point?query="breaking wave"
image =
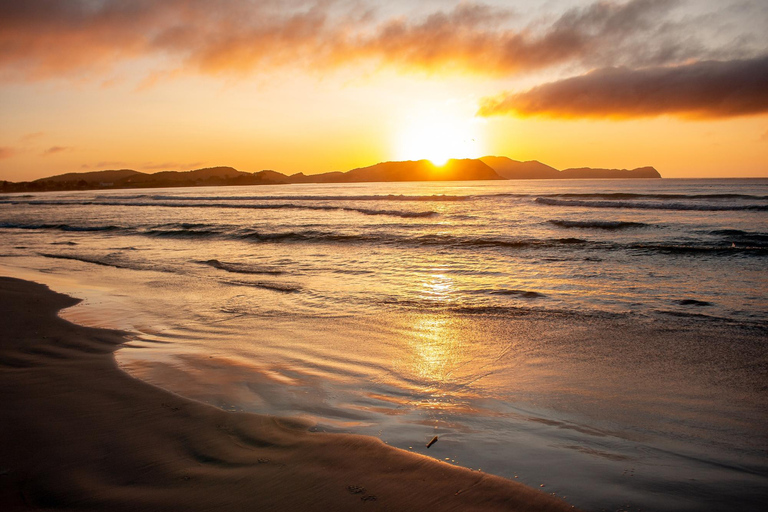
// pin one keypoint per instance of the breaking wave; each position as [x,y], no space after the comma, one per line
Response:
[705,207]
[257,206]
[610,225]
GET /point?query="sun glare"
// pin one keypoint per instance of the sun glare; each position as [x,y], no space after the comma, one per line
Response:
[438,137]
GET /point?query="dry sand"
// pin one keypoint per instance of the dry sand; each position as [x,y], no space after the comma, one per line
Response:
[77,433]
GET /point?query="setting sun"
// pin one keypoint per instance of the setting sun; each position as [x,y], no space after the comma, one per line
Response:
[438,137]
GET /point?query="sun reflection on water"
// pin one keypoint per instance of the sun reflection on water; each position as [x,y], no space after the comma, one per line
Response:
[434,349]
[439,288]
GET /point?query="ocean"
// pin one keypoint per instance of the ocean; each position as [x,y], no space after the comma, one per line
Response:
[603,340]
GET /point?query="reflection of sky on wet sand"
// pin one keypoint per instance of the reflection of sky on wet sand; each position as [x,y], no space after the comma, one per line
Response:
[530,395]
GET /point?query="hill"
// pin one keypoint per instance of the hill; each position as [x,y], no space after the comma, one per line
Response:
[486,168]
[92,177]
[515,170]
[533,169]
[422,170]
[589,172]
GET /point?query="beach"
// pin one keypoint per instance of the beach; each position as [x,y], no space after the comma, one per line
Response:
[79,434]
[600,340]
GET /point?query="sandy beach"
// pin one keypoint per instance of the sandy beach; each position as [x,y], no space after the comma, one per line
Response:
[79,434]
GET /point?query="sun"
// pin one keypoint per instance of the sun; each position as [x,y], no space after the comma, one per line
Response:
[438,137]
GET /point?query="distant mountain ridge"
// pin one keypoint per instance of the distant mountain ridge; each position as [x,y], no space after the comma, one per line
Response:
[486,168]
[533,169]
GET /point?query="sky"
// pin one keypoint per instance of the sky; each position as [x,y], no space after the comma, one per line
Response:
[317,86]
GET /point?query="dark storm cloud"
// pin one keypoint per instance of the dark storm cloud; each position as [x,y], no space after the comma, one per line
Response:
[707,89]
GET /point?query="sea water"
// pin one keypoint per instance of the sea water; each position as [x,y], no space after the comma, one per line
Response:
[604,340]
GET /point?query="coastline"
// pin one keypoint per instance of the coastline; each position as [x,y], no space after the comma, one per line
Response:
[80,434]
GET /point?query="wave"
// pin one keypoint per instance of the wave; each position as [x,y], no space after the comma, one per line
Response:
[388,197]
[241,268]
[651,206]
[259,206]
[183,233]
[625,195]
[121,197]
[275,287]
[693,302]
[228,232]
[60,227]
[701,249]
[610,225]
[737,236]
[525,294]
[85,259]
[392,213]
[732,243]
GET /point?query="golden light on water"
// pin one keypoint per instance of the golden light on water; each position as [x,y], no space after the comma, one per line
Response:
[436,347]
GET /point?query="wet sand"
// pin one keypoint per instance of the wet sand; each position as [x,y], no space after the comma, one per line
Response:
[79,434]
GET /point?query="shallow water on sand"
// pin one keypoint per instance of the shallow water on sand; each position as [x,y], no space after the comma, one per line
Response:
[605,339]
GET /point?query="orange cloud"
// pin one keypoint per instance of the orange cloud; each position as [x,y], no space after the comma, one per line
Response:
[708,89]
[56,149]
[81,38]
[32,136]
[165,166]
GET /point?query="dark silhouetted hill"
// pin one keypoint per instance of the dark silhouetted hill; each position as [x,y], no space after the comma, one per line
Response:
[589,172]
[208,176]
[93,177]
[533,169]
[422,170]
[486,168]
[515,170]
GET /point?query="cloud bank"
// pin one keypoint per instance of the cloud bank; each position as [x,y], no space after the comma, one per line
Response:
[708,89]
[648,60]
[41,39]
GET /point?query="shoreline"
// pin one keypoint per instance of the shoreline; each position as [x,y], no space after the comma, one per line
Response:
[80,434]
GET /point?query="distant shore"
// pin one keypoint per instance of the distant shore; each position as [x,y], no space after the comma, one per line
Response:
[467,169]
[79,434]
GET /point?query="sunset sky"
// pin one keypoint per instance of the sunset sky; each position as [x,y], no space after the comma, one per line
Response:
[316,86]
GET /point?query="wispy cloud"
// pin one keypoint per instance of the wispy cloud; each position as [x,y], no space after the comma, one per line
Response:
[56,149]
[706,89]
[29,137]
[169,166]
[105,164]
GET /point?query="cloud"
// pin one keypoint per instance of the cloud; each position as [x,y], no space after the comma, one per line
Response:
[29,137]
[708,89]
[165,166]
[42,39]
[105,164]
[6,152]
[56,149]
